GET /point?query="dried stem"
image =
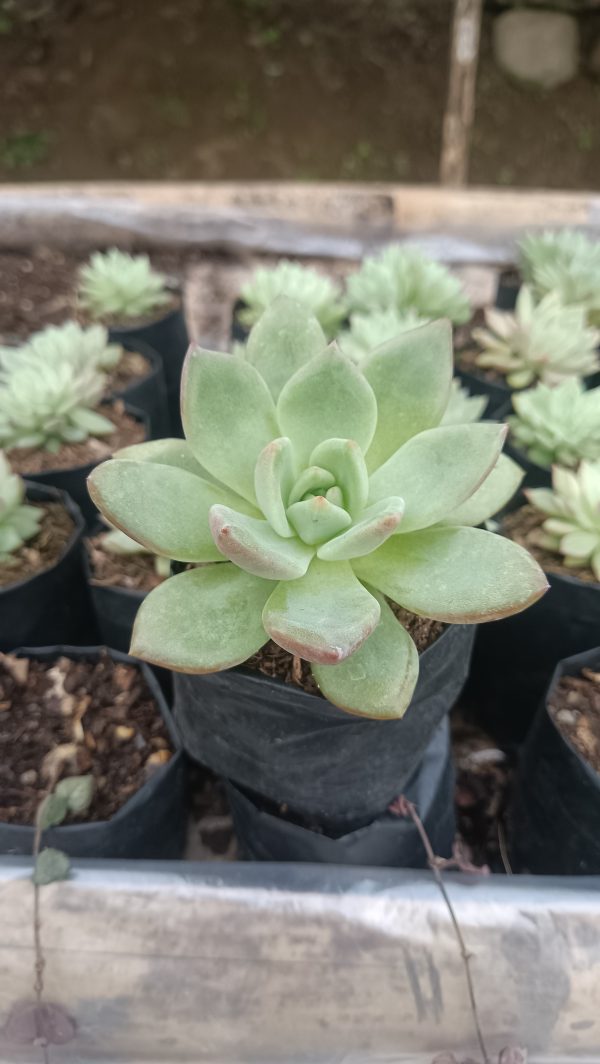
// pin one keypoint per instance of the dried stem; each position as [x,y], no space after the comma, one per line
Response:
[408,809]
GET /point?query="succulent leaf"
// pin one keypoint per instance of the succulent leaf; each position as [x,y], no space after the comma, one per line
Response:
[368,331]
[454,574]
[378,680]
[438,470]
[114,284]
[463,408]
[74,344]
[325,616]
[410,377]
[405,280]
[285,338]
[18,521]
[496,490]
[203,620]
[546,341]
[256,547]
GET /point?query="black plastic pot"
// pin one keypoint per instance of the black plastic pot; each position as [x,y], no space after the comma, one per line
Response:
[54,604]
[388,842]
[152,824]
[509,283]
[149,393]
[73,481]
[498,395]
[239,332]
[536,476]
[168,336]
[333,769]
[513,659]
[556,814]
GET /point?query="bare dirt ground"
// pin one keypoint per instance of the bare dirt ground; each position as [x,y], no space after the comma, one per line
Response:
[285,89]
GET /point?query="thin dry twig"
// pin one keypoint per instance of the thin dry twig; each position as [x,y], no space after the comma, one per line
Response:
[403,807]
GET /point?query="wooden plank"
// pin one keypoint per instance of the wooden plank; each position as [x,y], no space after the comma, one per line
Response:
[460,105]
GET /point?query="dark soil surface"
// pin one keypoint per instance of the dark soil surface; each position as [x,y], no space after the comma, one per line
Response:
[524,527]
[44,549]
[131,368]
[70,718]
[273,661]
[484,773]
[575,709]
[293,89]
[29,461]
[135,572]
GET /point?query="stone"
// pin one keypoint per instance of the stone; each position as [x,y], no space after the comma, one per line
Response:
[538,48]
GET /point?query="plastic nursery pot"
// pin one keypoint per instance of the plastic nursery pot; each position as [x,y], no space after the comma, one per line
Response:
[168,336]
[239,332]
[148,393]
[509,282]
[334,769]
[53,604]
[556,813]
[497,394]
[151,824]
[536,476]
[389,841]
[513,659]
[74,481]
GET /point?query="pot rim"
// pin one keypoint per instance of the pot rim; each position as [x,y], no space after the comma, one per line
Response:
[69,504]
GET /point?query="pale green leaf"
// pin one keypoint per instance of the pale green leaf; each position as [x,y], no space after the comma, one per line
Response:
[203,620]
[170,451]
[410,377]
[50,866]
[498,487]
[324,616]
[163,508]
[378,680]
[313,480]
[317,519]
[344,459]
[286,337]
[454,574]
[255,547]
[51,811]
[437,470]
[273,480]
[326,398]
[77,792]
[228,416]
[378,523]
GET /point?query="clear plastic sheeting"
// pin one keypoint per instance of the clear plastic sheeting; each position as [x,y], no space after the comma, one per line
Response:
[304,964]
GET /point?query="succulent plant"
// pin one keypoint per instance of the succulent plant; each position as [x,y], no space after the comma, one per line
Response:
[566,262]
[572,506]
[45,406]
[463,408]
[546,341]
[72,343]
[18,521]
[557,426]
[116,542]
[318,490]
[368,331]
[405,280]
[115,285]
[300,283]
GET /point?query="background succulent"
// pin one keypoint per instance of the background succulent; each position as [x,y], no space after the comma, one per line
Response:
[566,262]
[18,521]
[405,280]
[559,425]
[301,283]
[45,406]
[368,331]
[545,341]
[463,408]
[326,489]
[71,342]
[572,527]
[115,285]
